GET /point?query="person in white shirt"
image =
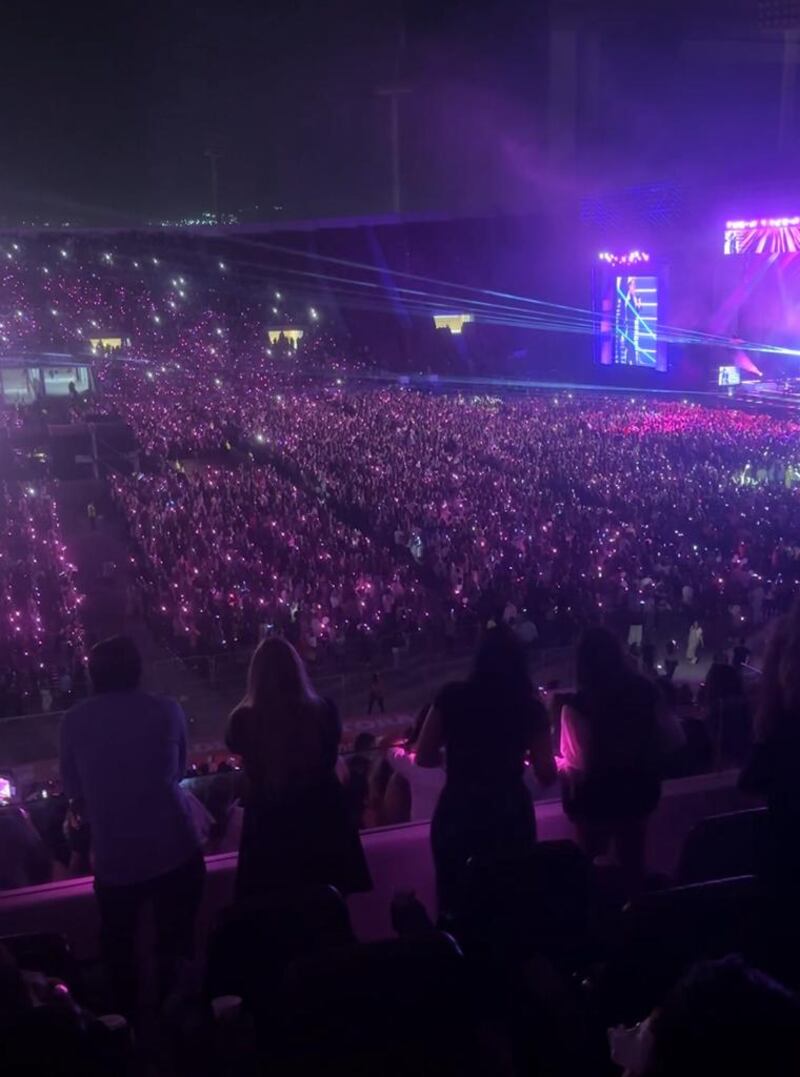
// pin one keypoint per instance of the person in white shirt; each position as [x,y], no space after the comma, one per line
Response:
[695,642]
[123,756]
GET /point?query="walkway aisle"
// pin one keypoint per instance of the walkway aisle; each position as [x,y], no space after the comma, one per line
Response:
[102,559]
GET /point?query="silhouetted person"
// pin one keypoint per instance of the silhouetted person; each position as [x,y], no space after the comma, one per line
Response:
[297,829]
[123,755]
[741,652]
[376,694]
[774,766]
[670,659]
[612,743]
[488,726]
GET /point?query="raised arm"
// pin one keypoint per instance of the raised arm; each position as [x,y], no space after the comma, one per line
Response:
[179,723]
[541,748]
[431,740]
[233,733]
[70,776]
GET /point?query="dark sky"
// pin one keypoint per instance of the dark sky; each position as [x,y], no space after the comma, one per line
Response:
[110,108]
[106,111]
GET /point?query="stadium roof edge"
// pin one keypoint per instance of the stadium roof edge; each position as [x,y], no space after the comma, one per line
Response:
[311,224]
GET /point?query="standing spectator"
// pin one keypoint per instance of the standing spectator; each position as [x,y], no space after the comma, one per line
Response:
[91,513]
[45,698]
[376,694]
[297,829]
[695,643]
[123,755]
[24,859]
[741,652]
[670,659]
[774,767]
[611,746]
[65,688]
[487,727]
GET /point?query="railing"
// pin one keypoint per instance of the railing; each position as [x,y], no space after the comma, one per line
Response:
[226,673]
[32,716]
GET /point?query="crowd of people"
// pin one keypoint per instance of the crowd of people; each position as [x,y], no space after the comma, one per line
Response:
[436,513]
[298,838]
[66,294]
[42,648]
[316,521]
[230,555]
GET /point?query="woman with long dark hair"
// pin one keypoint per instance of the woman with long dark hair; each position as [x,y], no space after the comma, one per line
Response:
[613,739]
[774,767]
[487,728]
[296,828]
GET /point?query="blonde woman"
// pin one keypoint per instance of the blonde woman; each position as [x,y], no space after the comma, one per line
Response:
[296,829]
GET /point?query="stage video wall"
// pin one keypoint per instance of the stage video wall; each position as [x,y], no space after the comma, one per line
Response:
[758,282]
[627,300]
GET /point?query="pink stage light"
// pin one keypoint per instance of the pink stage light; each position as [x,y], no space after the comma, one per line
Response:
[763,235]
[744,362]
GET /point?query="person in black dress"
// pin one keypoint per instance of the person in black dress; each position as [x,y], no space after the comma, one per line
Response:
[297,830]
[488,727]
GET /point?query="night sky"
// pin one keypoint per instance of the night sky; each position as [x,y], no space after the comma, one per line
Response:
[107,110]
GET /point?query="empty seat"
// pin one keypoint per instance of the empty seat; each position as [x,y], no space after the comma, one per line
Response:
[254,941]
[723,846]
[665,932]
[397,1007]
[47,953]
[542,903]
